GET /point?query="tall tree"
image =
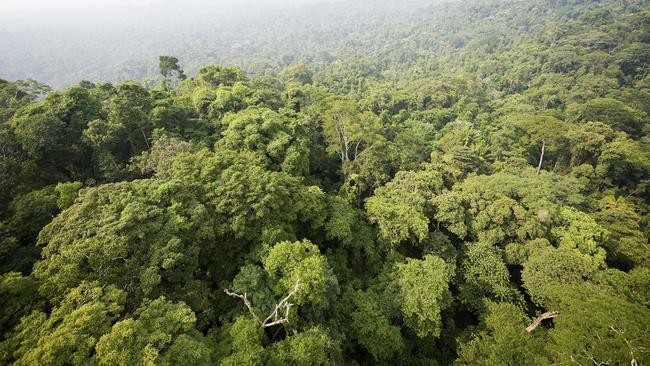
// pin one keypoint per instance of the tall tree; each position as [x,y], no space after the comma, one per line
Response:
[171,71]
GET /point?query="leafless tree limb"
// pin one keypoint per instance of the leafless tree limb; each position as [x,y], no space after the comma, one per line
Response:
[278,316]
[628,343]
[536,323]
[244,298]
[541,157]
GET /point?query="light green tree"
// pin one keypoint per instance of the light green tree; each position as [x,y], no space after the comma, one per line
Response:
[160,332]
[422,291]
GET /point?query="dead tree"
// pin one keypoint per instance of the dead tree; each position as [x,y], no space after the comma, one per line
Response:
[278,316]
[538,320]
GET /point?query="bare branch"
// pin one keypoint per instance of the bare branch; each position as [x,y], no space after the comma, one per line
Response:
[364,150]
[244,298]
[356,150]
[146,141]
[536,323]
[628,343]
[541,157]
[273,318]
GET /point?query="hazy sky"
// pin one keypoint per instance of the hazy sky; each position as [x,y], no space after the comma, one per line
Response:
[41,5]
[25,6]
[17,14]
[61,42]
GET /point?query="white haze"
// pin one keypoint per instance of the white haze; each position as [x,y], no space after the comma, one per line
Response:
[61,42]
[39,14]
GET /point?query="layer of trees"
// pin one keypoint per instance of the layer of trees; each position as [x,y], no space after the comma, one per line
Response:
[486,203]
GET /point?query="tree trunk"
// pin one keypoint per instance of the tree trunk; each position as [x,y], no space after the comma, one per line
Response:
[541,157]
[146,141]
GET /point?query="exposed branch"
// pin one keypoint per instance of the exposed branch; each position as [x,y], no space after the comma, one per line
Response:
[244,298]
[364,150]
[628,343]
[541,157]
[356,150]
[146,141]
[275,317]
[340,133]
[536,323]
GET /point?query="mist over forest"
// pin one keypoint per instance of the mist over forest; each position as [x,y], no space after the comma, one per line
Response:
[118,42]
[344,182]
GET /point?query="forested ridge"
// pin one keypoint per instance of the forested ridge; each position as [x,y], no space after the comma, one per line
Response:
[466,183]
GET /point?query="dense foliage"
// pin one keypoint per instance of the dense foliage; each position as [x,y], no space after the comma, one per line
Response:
[420,200]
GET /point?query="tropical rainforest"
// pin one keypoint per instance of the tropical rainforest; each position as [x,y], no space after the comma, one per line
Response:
[465,185]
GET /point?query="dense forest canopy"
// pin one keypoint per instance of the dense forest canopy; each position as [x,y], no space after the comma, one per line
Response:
[428,183]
